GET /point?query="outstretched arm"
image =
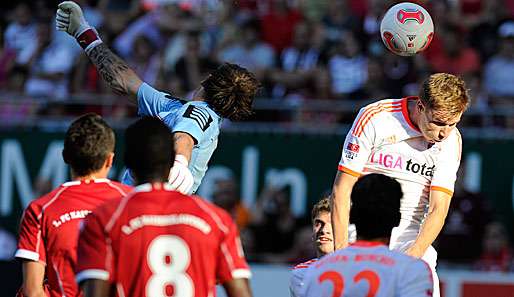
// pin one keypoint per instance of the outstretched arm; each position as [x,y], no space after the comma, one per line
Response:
[115,72]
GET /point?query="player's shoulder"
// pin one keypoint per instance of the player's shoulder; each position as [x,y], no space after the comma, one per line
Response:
[304,265]
[47,199]
[383,104]
[213,212]
[121,188]
[377,114]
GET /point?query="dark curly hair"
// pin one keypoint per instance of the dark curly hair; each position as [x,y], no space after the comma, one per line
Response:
[149,150]
[87,144]
[375,206]
[230,90]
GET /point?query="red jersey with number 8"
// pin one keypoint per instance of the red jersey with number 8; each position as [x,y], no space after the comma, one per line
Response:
[368,269]
[158,242]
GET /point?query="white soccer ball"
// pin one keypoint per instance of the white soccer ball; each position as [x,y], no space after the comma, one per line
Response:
[406,29]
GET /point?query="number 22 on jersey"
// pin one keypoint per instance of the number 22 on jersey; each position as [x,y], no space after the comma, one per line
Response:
[338,281]
[168,257]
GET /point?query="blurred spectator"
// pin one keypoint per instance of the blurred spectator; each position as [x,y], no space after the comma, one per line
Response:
[298,66]
[226,196]
[145,60]
[314,10]
[374,14]
[192,66]
[499,70]
[7,60]
[21,34]
[455,57]
[467,218]
[273,223]
[375,86]
[279,23]
[49,66]
[497,253]
[484,32]
[398,72]
[338,20]
[159,26]
[248,51]
[348,68]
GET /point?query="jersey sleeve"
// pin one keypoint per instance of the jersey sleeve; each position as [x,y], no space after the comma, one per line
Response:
[193,120]
[31,245]
[231,263]
[445,172]
[417,280]
[296,281]
[93,260]
[151,102]
[357,145]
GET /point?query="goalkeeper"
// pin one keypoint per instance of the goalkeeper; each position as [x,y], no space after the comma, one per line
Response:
[227,92]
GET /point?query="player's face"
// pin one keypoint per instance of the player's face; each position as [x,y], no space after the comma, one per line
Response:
[322,233]
[435,126]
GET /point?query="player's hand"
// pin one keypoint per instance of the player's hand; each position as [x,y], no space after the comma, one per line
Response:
[70,18]
[415,252]
[181,178]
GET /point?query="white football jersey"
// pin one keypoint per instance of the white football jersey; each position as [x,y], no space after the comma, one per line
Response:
[384,140]
[367,269]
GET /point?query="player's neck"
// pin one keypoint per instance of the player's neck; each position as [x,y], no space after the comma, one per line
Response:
[199,95]
[92,176]
[413,112]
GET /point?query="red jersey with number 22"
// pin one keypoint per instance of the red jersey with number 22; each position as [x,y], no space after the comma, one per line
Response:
[368,269]
[158,242]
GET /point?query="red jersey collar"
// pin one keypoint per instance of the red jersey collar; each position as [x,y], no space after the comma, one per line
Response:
[153,186]
[405,112]
[365,243]
[86,181]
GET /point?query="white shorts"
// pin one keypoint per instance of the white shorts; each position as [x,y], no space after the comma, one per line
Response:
[403,238]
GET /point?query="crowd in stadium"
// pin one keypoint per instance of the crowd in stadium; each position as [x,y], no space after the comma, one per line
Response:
[299,50]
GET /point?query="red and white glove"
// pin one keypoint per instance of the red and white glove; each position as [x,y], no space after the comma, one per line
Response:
[181,178]
[69,18]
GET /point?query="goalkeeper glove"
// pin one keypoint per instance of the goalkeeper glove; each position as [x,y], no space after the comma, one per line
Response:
[70,18]
[180,177]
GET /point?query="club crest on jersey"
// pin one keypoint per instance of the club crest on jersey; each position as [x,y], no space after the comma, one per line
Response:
[199,115]
[351,150]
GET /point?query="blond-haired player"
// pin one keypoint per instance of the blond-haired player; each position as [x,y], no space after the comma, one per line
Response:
[413,140]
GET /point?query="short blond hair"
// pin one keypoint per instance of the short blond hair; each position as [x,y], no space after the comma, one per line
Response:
[445,93]
[323,205]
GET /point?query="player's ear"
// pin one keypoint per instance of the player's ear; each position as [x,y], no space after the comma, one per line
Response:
[420,106]
[109,160]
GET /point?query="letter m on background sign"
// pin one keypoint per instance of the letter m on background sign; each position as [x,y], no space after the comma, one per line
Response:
[14,172]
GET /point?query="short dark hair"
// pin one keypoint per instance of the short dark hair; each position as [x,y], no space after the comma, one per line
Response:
[375,206]
[230,90]
[149,149]
[87,144]
[323,205]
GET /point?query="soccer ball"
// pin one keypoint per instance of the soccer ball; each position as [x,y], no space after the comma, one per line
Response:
[406,29]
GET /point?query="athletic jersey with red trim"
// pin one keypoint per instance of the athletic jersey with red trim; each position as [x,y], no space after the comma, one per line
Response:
[368,269]
[384,140]
[296,282]
[50,226]
[157,240]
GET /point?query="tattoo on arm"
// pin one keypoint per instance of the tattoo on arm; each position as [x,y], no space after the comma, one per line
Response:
[115,72]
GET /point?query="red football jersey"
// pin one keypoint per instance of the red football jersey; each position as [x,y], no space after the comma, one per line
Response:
[50,226]
[158,242]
